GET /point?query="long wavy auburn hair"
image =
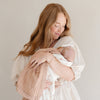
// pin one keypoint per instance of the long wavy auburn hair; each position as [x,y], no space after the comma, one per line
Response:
[41,35]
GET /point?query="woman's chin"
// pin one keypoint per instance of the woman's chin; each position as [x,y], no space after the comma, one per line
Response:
[56,37]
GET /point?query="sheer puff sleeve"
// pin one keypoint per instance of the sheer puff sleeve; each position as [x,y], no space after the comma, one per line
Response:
[78,63]
[18,65]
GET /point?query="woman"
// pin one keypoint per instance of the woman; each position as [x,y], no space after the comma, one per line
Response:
[52,31]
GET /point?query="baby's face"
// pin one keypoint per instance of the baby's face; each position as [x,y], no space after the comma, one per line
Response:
[62,52]
[67,52]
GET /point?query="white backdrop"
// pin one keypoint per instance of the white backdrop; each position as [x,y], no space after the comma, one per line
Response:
[18,18]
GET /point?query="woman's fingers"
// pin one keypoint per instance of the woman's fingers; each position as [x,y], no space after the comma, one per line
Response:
[37,62]
[32,60]
[34,63]
[46,50]
[53,50]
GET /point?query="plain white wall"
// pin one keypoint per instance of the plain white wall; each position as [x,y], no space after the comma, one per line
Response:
[18,18]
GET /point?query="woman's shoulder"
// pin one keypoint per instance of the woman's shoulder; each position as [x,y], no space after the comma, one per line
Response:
[64,41]
[18,65]
[21,60]
[21,57]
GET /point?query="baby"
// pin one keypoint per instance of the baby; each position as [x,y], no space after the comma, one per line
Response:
[66,56]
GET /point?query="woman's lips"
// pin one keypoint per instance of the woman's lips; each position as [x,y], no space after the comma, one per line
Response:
[57,34]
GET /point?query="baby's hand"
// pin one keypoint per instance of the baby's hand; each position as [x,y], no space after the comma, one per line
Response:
[57,84]
[47,84]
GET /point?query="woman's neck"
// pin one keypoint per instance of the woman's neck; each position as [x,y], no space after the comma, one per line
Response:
[53,43]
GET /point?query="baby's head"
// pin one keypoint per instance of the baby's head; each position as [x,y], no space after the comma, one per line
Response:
[67,52]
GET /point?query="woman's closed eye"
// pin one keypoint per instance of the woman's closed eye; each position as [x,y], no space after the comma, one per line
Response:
[56,25]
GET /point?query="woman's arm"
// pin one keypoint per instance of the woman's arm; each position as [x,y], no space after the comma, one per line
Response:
[64,71]
[69,54]
[61,69]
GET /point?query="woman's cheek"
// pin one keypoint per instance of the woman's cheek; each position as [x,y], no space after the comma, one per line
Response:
[53,29]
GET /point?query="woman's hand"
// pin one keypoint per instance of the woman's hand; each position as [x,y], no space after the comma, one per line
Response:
[50,50]
[48,84]
[39,58]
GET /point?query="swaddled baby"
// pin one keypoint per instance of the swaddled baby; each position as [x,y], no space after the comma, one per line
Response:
[66,56]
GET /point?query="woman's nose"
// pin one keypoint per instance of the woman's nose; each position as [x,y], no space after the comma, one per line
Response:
[60,30]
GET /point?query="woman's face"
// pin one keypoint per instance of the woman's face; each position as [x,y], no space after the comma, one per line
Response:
[59,26]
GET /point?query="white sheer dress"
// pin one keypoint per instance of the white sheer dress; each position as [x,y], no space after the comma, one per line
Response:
[67,90]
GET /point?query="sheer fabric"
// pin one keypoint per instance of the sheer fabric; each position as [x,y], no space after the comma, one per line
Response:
[67,90]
